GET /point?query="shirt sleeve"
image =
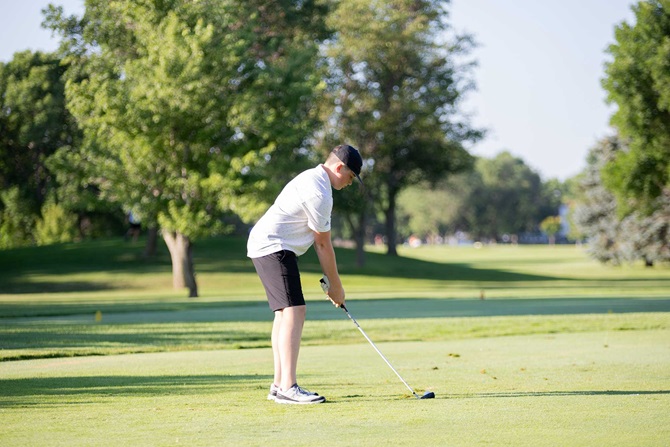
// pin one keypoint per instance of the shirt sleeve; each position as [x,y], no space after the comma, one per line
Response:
[318,211]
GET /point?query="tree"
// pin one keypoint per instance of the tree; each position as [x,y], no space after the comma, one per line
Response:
[427,210]
[16,219]
[647,237]
[611,237]
[184,104]
[34,122]
[570,191]
[637,80]
[393,91]
[506,198]
[56,225]
[351,208]
[432,211]
[551,225]
[596,215]
[502,195]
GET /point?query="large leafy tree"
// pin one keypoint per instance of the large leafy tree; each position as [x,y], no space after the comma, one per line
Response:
[612,238]
[637,80]
[34,122]
[393,91]
[184,104]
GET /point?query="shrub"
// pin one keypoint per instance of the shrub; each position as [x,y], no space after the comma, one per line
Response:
[56,225]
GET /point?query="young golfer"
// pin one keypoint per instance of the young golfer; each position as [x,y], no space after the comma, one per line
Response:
[299,218]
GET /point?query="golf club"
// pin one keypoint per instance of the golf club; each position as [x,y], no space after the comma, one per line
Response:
[325,285]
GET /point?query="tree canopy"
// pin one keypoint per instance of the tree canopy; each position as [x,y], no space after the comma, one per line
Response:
[183,104]
[395,84]
[611,238]
[195,114]
[34,121]
[505,199]
[502,195]
[637,80]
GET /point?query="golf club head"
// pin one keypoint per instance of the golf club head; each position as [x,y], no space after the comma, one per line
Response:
[428,395]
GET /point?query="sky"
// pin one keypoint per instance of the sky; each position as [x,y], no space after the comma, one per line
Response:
[540,63]
[538,79]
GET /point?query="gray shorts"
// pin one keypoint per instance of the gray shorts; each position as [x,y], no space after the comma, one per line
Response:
[281,278]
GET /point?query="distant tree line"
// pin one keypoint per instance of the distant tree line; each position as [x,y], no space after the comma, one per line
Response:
[498,200]
[192,116]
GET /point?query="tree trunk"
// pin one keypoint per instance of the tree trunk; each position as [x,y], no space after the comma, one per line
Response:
[360,246]
[390,225]
[150,247]
[359,235]
[183,274]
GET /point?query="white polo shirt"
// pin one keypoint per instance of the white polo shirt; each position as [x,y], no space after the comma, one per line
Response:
[304,206]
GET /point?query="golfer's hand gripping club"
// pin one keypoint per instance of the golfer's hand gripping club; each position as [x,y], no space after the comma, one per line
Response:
[325,285]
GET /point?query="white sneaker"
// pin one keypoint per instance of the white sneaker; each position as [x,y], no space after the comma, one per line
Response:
[272,395]
[297,395]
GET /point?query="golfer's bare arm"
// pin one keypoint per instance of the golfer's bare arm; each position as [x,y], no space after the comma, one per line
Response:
[326,254]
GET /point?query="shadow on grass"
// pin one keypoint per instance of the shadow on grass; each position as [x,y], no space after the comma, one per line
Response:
[18,285]
[39,391]
[142,311]
[437,308]
[556,394]
[87,339]
[20,269]
[245,311]
[249,325]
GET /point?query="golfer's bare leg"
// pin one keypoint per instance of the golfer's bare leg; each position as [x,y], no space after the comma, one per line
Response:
[288,338]
[276,326]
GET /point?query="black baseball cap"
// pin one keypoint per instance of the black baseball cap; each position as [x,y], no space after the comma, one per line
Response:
[350,156]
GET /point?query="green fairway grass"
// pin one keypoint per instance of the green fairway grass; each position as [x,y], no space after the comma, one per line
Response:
[52,295]
[523,345]
[53,278]
[64,338]
[560,389]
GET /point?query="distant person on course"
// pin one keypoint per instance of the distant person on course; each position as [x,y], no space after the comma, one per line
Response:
[299,218]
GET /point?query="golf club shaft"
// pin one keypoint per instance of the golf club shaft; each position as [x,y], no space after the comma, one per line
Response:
[378,351]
